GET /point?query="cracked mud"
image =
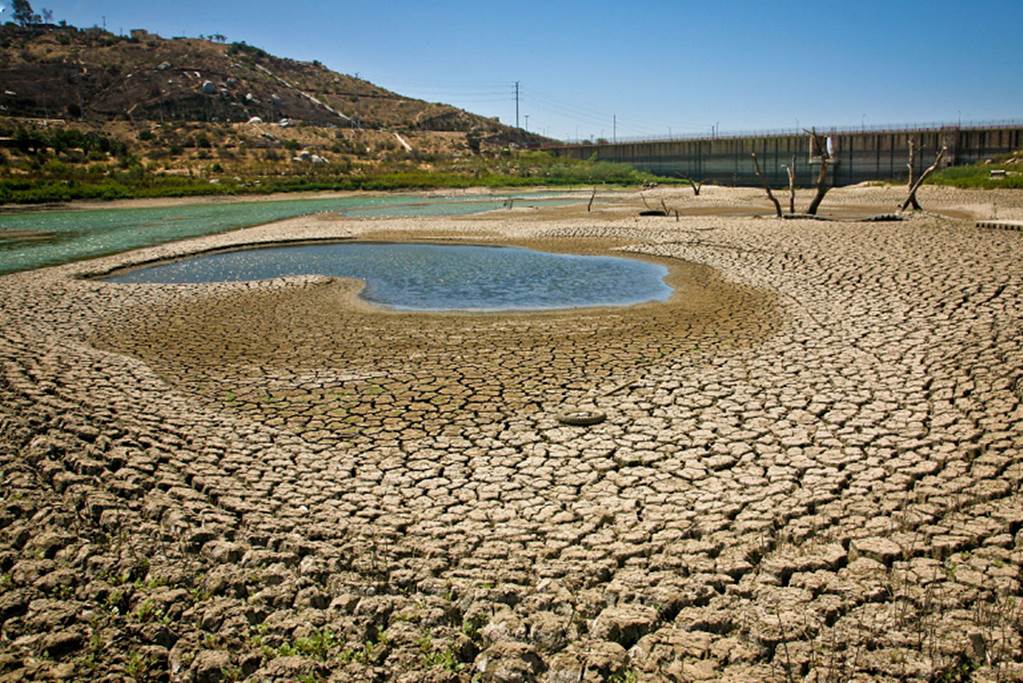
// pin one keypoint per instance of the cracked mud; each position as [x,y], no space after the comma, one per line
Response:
[810,467]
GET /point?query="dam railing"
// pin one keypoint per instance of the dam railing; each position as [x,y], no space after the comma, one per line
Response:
[859,153]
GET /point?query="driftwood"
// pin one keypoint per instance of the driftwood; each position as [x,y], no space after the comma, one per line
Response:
[911,199]
[592,197]
[770,195]
[821,143]
[912,172]
[792,184]
[695,185]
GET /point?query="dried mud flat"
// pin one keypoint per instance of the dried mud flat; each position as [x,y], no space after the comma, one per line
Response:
[810,469]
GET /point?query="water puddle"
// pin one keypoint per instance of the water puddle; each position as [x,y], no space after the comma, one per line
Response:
[433,277]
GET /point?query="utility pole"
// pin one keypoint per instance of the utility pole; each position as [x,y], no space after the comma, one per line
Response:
[614,127]
[527,123]
[104,23]
[516,104]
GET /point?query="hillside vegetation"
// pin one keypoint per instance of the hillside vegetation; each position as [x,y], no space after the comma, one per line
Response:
[57,164]
[86,114]
[1009,174]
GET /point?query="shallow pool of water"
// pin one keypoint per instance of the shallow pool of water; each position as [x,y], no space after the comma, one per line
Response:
[434,277]
[32,239]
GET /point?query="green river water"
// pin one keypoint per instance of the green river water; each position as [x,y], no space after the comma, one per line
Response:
[37,238]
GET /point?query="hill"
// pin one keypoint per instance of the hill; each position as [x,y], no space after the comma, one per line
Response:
[87,114]
[93,75]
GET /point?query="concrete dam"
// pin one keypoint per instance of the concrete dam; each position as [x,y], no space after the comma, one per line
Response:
[856,154]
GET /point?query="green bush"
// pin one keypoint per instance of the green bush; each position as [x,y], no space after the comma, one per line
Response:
[979,176]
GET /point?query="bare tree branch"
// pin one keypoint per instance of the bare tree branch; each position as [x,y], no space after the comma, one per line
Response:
[592,197]
[912,172]
[911,199]
[770,195]
[695,185]
[821,143]
[792,184]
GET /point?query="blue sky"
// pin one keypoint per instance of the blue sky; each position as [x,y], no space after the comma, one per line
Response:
[678,66]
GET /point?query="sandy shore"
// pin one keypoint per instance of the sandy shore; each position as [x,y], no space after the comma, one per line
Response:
[810,469]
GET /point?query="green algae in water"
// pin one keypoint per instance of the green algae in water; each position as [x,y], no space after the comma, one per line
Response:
[71,235]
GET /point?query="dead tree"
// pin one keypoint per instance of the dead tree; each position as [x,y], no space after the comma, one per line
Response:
[792,184]
[592,197]
[695,185]
[821,144]
[767,186]
[911,199]
[912,172]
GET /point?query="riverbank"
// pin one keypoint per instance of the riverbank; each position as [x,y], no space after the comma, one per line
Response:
[811,463]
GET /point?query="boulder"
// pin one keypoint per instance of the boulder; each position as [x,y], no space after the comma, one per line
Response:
[208,88]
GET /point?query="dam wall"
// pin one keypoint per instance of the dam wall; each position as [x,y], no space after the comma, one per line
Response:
[857,155]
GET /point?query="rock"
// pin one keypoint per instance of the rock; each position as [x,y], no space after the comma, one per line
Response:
[223,552]
[163,66]
[171,601]
[255,119]
[46,544]
[508,662]
[503,626]
[549,631]
[216,611]
[311,597]
[208,88]
[591,660]
[231,81]
[13,603]
[209,666]
[344,603]
[284,123]
[63,642]
[624,624]
[876,548]
[292,668]
[28,572]
[61,579]
[155,655]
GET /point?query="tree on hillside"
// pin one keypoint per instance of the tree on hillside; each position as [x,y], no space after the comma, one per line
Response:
[23,13]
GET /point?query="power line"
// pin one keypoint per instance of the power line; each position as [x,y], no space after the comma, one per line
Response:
[516,104]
